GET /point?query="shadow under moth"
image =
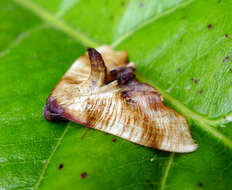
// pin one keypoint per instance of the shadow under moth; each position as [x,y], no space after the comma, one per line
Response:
[100,91]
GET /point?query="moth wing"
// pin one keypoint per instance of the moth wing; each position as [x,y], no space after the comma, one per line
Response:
[141,119]
[159,126]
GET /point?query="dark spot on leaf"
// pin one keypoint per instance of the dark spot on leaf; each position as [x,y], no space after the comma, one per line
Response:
[201,91]
[231,70]
[226,35]
[141,4]
[179,70]
[107,133]
[195,81]
[226,58]
[200,184]
[83,175]
[149,182]
[114,140]
[219,1]
[122,3]
[61,166]
[210,26]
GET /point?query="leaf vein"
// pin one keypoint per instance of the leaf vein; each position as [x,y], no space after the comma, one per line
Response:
[19,39]
[59,24]
[149,21]
[166,171]
[50,157]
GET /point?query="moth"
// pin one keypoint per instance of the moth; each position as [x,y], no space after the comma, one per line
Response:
[100,91]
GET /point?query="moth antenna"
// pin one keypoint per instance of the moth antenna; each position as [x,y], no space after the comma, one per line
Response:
[98,74]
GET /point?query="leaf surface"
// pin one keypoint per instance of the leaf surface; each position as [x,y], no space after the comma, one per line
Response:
[181,47]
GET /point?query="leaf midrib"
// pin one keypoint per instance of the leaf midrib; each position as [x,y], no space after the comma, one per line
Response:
[49,18]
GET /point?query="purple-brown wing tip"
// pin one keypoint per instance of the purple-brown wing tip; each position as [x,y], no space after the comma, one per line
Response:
[52,111]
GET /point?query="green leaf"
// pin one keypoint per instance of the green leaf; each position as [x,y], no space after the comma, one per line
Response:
[182,47]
